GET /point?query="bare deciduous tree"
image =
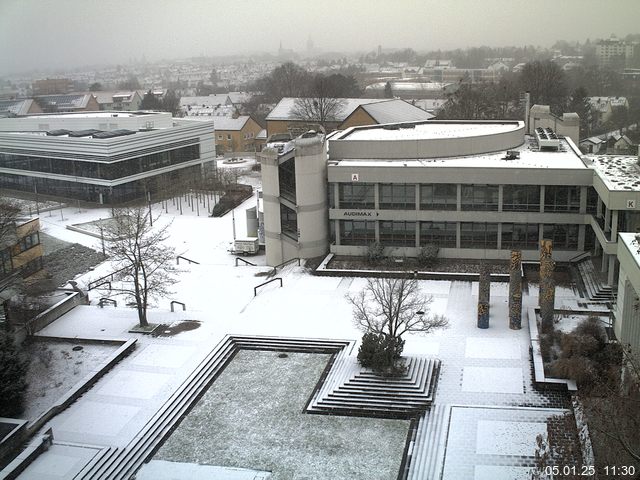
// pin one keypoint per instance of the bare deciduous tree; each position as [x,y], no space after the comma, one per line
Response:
[393,307]
[137,248]
[320,104]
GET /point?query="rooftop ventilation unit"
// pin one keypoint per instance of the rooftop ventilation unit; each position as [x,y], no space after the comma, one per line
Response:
[547,139]
[511,155]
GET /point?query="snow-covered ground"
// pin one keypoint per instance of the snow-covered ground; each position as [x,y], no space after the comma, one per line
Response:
[480,368]
[252,417]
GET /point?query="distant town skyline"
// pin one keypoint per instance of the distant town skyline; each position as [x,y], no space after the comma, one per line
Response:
[64,34]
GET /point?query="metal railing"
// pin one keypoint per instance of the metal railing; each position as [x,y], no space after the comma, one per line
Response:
[275,269]
[185,258]
[101,280]
[174,302]
[107,301]
[255,289]
[245,261]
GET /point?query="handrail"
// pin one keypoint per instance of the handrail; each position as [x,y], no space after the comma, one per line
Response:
[245,261]
[104,300]
[185,258]
[92,284]
[263,284]
[275,269]
[106,282]
[579,257]
[184,306]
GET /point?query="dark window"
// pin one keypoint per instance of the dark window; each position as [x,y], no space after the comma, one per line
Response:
[356,196]
[442,234]
[561,199]
[438,196]
[478,235]
[592,201]
[289,222]
[287,179]
[564,237]
[398,234]
[29,241]
[480,197]
[398,196]
[521,198]
[357,232]
[520,236]
[5,261]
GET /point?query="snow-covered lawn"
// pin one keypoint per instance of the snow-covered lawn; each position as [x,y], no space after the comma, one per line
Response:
[252,417]
[55,367]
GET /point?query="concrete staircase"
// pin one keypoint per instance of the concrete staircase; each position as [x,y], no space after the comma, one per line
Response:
[592,286]
[351,390]
[429,445]
[121,463]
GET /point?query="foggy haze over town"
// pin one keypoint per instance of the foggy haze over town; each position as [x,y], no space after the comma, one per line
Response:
[61,34]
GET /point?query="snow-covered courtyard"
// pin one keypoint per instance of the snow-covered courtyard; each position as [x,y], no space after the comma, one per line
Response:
[485,379]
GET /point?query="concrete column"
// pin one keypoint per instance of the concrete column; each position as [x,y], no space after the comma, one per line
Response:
[336,224]
[500,236]
[500,197]
[607,220]
[417,196]
[542,190]
[603,265]
[582,232]
[376,196]
[612,270]
[598,208]
[459,203]
[377,228]
[336,195]
[417,234]
[614,225]
[458,226]
[583,200]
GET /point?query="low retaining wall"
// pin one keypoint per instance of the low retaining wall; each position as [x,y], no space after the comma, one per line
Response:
[541,380]
[56,311]
[12,440]
[28,455]
[323,271]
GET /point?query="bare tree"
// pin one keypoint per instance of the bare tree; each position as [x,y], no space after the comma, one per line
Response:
[393,307]
[137,248]
[320,104]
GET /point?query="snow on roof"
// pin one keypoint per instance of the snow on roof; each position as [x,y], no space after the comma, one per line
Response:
[228,123]
[90,115]
[16,107]
[109,97]
[409,86]
[564,159]
[431,130]
[262,134]
[77,100]
[632,242]
[207,101]
[283,110]
[618,172]
[395,111]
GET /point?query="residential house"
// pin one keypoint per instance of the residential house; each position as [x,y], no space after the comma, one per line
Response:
[128,101]
[73,102]
[236,134]
[603,107]
[18,108]
[52,86]
[283,117]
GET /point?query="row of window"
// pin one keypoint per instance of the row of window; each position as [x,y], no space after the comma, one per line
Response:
[444,196]
[106,171]
[523,236]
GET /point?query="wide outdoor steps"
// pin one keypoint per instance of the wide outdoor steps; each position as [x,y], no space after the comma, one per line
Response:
[595,290]
[121,464]
[351,390]
[429,444]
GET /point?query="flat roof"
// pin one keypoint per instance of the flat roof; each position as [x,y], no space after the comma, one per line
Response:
[632,243]
[104,114]
[530,157]
[429,130]
[618,172]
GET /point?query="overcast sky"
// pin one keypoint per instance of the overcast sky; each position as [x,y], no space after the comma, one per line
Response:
[68,33]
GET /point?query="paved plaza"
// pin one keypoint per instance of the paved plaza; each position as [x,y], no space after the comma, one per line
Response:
[485,379]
